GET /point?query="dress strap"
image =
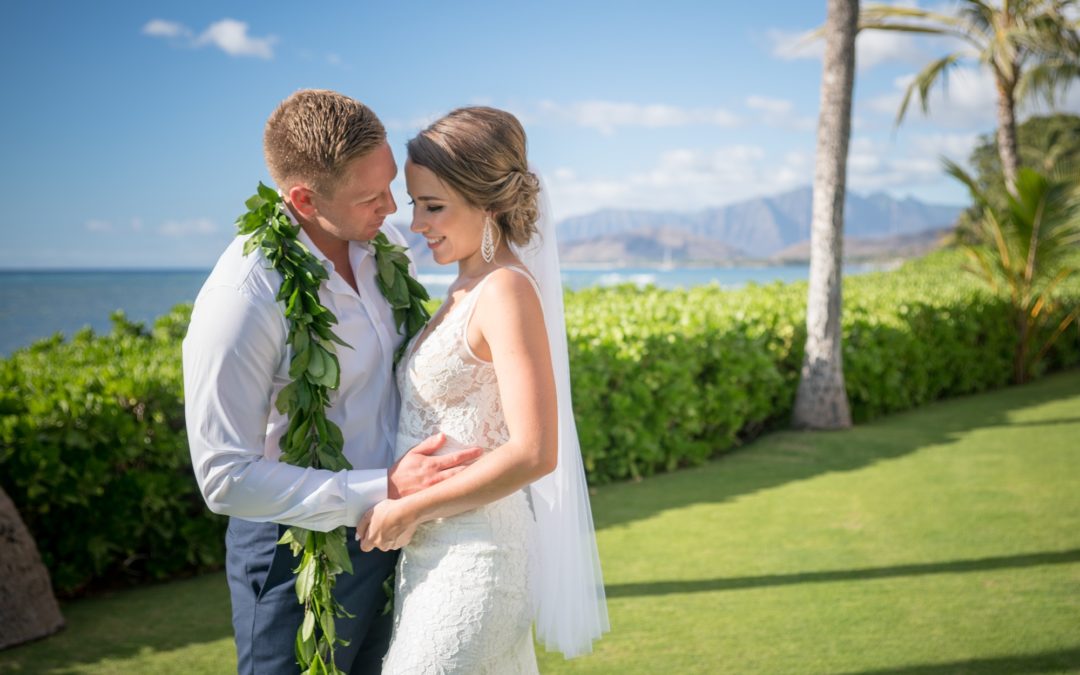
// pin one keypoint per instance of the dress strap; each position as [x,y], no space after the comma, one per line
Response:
[473,299]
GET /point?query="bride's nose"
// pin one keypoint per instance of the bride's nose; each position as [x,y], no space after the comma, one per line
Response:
[416,225]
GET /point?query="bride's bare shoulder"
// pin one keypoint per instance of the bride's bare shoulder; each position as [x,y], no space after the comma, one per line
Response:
[509,284]
[508,293]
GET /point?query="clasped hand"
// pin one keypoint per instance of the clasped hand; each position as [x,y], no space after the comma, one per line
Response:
[389,525]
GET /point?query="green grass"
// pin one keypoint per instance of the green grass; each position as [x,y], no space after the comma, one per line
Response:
[943,540]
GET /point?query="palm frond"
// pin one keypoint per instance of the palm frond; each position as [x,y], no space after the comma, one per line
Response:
[1069,318]
[913,20]
[1047,80]
[924,80]
[978,15]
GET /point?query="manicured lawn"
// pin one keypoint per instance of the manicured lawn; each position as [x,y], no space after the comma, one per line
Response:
[944,540]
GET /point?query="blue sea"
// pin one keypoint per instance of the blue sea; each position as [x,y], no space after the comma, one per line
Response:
[37,304]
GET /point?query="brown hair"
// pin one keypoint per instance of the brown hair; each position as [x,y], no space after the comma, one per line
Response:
[480,152]
[314,133]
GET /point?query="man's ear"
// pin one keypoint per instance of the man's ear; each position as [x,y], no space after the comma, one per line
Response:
[300,199]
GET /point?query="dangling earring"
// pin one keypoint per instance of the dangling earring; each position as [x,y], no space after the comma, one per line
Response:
[489,242]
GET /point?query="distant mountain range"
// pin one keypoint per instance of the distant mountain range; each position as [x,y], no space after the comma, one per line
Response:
[773,228]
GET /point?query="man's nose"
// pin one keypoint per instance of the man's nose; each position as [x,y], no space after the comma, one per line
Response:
[391,205]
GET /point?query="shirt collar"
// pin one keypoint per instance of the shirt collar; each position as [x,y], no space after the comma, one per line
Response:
[357,252]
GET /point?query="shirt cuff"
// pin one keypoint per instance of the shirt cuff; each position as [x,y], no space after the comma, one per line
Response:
[365,489]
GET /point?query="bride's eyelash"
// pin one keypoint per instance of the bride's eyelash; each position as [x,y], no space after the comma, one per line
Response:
[431,209]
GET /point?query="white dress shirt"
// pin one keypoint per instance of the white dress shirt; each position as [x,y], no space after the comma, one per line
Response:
[235,363]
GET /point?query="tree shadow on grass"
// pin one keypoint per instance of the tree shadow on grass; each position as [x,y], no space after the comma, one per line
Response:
[786,456]
[157,618]
[772,580]
[1044,662]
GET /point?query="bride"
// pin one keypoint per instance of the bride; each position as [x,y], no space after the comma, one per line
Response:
[510,540]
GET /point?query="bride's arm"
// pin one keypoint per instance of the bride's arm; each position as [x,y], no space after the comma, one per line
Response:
[511,323]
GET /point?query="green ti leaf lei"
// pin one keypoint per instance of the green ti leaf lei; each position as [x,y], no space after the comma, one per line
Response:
[312,440]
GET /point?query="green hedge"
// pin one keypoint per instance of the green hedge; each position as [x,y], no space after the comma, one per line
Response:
[93,452]
[668,378]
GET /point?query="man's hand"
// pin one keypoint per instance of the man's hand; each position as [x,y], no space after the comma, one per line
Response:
[420,468]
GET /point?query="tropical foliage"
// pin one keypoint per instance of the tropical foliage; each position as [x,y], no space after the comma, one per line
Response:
[1025,250]
[1031,48]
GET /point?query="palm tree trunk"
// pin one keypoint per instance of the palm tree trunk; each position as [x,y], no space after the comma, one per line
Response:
[821,400]
[28,608]
[1006,132]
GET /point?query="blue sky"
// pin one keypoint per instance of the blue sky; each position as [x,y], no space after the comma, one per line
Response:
[132,131]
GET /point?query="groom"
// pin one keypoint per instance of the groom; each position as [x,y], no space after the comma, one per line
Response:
[329,157]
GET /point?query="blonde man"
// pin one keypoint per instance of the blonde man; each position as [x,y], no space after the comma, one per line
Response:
[328,155]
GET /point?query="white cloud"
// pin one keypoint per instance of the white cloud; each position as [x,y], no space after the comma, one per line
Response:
[231,36]
[692,179]
[780,113]
[872,48]
[683,180]
[164,28]
[228,35]
[98,226]
[910,165]
[968,100]
[183,228]
[776,106]
[607,116]
[411,125]
[792,45]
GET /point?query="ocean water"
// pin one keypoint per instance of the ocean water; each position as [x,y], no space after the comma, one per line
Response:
[35,305]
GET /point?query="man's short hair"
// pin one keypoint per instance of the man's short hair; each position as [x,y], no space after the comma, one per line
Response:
[314,133]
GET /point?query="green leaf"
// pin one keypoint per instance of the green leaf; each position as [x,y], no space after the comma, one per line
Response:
[254,202]
[286,398]
[399,295]
[305,576]
[416,289]
[249,222]
[332,371]
[326,620]
[337,551]
[299,434]
[268,194]
[299,362]
[307,629]
[251,244]
[317,363]
[304,649]
[386,270]
[334,436]
[300,343]
[327,457]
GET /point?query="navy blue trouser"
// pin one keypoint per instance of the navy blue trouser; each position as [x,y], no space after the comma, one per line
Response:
[266,614]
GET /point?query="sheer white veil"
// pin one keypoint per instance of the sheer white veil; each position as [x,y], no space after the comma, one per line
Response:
[567,585]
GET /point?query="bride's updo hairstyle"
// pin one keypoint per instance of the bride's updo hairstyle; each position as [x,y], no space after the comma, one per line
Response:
[479,152]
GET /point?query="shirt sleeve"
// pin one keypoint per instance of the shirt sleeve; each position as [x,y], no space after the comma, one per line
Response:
[234,346]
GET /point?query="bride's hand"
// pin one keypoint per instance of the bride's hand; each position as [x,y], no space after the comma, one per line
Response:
[387,526]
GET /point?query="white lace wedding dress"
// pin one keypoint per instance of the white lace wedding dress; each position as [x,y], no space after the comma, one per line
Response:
[462,600]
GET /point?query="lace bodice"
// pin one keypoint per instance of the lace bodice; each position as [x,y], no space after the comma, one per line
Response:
[445,387]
